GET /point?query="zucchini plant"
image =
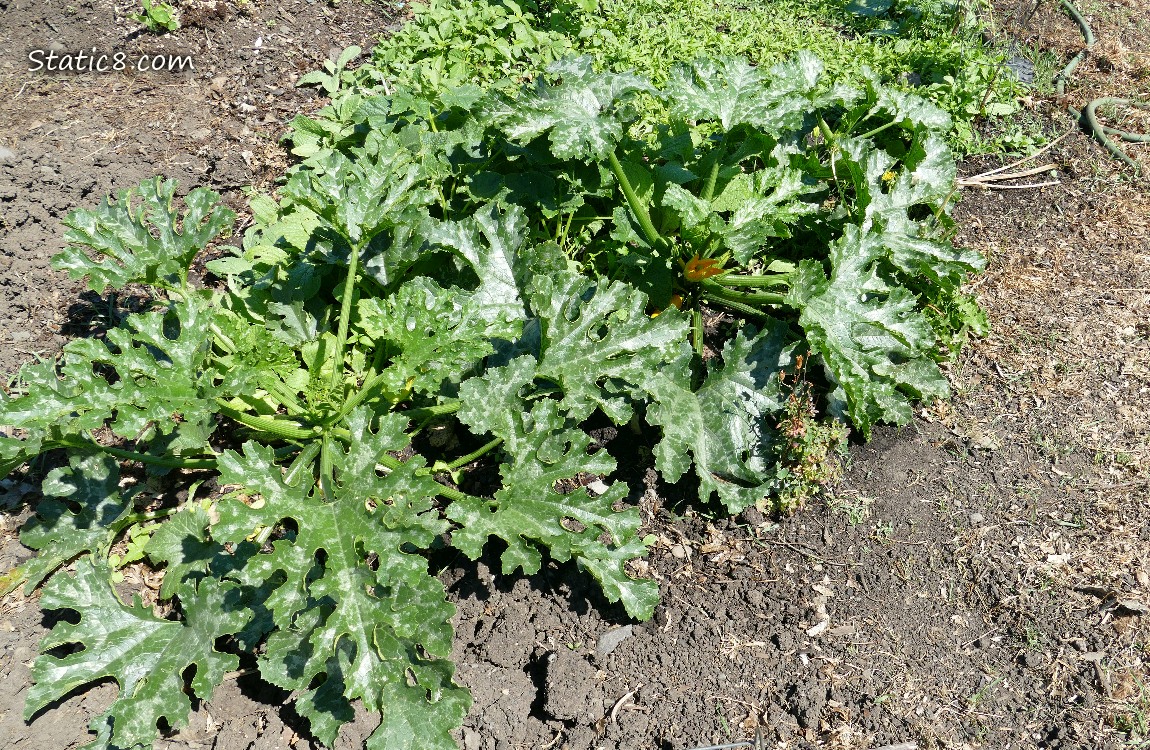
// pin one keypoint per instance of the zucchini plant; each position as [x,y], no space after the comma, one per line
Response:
[502,269]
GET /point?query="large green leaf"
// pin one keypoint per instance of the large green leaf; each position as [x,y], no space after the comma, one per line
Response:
[924,180]
[181,544]
[141,243]
[492,244]
[599,344]
[887,195]
[146,655]
[436,336]
[90,483]
[875,343]
[728,425]
[357,613]
[907,109]
[15,452]
[543,450]
[751,209]
[161,381]
[732,92]
[582,114]
[363,194]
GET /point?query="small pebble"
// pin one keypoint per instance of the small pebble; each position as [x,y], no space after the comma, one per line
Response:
[7,155]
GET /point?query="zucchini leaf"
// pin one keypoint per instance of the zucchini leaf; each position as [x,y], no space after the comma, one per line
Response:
[875,343]
[583,115]
[599,344]
[349,628]
[145,654]
[139,238]
[60,534]
[728,425]
[544,450]
[158,381]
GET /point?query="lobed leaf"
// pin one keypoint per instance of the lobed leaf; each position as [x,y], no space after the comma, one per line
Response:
[599,344]
[544,451]
[139,238]
[349,628]
[146,655]
[581,115]
[874,342]
[159,381]
[78,515]
[728,425]
[732,92]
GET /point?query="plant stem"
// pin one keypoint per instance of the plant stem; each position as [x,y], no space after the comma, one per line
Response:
[713,177]
[463,460]
[222,339]
[285,397]
[879,129]
[649,232]
[281,428]
[752,281]
[358,397]
[135,518]
[344,318]
[392,463]
[748,298]
[430,412]
[697,329]
[327,468]
[753,312]
[145,458]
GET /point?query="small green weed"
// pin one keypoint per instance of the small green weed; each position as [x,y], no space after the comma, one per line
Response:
[1135,721]
[334,74]
[857,508]
[157,17]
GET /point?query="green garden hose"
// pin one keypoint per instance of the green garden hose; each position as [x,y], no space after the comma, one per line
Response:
[1089,115]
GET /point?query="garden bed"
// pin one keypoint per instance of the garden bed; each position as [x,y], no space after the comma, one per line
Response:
[975,579]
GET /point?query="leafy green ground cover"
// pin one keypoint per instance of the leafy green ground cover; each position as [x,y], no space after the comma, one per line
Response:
[504,264]
[933,48]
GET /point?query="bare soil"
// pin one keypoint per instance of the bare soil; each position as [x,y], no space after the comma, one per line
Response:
[979,579]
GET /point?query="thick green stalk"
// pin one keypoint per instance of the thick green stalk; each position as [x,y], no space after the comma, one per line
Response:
[879,129]
[357,397]
[463,460]
[135,518]
[637,207]
[753,312]
[752,281]
[713,177]
[392,463]
[286,398]
[344,318]
[145,458]
[825,129]
[430,412]
[275,426]
[697,329]
[747,298]
[327,468]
